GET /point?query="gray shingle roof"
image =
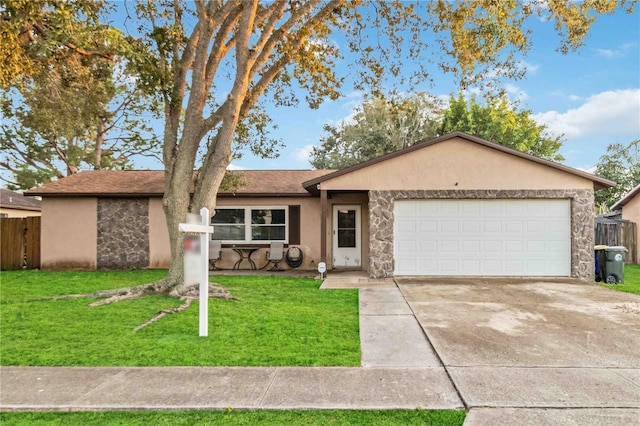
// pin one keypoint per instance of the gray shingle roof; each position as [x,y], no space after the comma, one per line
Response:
[15,200]
[135,183]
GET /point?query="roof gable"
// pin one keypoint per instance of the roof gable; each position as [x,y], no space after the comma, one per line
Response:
[403,159]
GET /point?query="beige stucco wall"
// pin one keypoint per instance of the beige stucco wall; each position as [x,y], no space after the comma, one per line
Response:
[159,249]
[457,164]
[18,212]
[69,233]
[631,211]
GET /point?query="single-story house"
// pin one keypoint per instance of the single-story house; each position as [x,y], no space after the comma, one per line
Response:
[15,204]
[454,205]
[629,206]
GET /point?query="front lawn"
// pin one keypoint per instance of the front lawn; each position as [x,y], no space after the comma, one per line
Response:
[291,418]
[277,322]
[631,280]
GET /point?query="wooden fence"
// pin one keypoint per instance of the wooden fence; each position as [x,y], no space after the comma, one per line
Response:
[618,233]
[20,243]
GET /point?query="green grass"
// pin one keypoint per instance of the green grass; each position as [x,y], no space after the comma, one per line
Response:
[278,322]
[631,280]
[290,418]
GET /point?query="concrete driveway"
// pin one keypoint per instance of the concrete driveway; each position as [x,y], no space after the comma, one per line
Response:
[521,344]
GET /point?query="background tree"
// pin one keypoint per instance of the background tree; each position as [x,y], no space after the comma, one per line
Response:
[211,62]
[69,104]
[70,118]
[379,126]
[498,121]
[621,163]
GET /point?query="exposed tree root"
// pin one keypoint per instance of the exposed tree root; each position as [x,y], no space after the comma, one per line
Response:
[116,294]
[216,291]
[164,312]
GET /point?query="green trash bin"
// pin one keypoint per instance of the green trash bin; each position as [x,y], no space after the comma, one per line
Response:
[614,264]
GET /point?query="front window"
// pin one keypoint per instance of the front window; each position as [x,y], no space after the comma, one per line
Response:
[250,224]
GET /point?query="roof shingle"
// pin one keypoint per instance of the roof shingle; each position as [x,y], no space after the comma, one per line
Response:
[138,183]
[15,200]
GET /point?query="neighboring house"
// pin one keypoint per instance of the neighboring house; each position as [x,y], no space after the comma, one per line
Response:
[454,205]
[14,204]
[629,206]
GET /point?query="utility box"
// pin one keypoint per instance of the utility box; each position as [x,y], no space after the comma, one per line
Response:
[614,264]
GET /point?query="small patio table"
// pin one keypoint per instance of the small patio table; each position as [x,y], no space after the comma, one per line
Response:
[245,254]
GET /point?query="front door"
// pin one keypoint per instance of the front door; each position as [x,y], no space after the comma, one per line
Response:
[346,237]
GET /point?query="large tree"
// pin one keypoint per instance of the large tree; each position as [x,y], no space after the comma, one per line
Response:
[212,62]
[621,163]
[499,121]
[379,126]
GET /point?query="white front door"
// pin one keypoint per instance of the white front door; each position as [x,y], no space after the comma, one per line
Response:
[347,251]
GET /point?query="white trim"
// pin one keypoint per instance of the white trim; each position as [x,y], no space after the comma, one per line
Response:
[248,224]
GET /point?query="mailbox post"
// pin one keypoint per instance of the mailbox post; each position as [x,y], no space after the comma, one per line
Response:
[205,230]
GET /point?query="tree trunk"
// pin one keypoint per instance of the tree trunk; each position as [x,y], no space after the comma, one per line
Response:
[176,206]
[99,143]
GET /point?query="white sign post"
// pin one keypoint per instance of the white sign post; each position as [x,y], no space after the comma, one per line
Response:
[205,230]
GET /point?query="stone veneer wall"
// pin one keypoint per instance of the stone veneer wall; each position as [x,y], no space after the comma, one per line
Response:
[123,233]
[381,223]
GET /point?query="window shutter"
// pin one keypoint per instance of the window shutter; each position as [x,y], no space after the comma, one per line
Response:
[294,224]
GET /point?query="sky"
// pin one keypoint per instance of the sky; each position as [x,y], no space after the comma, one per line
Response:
[591,95]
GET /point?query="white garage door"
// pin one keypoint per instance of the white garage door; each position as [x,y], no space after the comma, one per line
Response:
[482,237]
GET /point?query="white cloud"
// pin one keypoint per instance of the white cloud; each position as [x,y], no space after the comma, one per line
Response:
[615,53]
[235,167]
[303,154]
[516,93]
[529,67]
[611,113]
[590,169]
[575,98]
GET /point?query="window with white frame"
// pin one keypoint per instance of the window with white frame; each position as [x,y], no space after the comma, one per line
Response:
[251,224]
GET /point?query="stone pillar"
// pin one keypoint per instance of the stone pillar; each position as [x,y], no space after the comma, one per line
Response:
[123,233]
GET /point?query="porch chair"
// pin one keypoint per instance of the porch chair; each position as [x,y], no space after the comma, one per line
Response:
[215,252]
[275,256]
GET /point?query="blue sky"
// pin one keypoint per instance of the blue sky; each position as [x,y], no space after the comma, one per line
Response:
[591,95]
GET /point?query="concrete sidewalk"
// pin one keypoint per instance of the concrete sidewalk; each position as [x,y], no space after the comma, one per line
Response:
[187,388]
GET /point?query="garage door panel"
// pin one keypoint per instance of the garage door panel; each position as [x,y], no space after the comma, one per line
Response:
[428,226]
[482,237]
[472,226]
[471,247]
[492,226]
[428,247]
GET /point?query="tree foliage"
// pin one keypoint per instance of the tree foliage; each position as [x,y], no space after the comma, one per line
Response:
[38,34]
[621,164]
[71,104]
[498,121]
[211,62]
[379,126]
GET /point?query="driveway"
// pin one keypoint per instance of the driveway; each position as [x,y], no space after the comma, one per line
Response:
[515,343]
